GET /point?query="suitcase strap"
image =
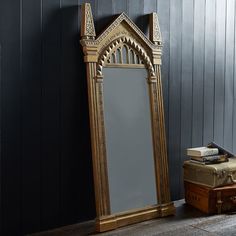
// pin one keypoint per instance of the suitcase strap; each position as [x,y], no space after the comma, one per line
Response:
[232,178]
[219,202]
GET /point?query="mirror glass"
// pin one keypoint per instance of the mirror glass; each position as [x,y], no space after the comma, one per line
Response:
[129,147]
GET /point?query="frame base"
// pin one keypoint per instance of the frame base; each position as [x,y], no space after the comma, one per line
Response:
[111,222]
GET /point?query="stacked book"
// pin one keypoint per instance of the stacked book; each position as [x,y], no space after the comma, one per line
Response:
[206,155]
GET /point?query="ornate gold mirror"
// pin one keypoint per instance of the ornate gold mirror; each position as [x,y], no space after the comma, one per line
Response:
[127,121]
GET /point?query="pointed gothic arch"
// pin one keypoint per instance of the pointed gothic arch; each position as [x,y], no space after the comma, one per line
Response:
[134,50]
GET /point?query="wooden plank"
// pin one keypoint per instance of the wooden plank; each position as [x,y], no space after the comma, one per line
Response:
[163,12]
[234,123]
[224,225]
[209,69]
[198,72]
[10,38]
[229,75]
[69,117]
[135,12]
[1,132]
[219,72]
[174,96]
[104,18]
[51,115]
[186,83]
[76,162]
[149,7]
[119,6]
[234,101]
[187,221]
[31,108]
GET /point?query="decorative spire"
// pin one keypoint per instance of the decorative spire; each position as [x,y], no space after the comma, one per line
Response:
[155,33]
[87,24]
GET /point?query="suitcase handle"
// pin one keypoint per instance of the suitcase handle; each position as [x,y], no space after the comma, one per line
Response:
[233,199]
[232,178]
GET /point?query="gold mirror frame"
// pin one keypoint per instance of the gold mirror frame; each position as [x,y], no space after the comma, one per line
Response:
[100,52]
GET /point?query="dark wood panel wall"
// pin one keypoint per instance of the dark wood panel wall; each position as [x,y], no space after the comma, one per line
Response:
[45,161]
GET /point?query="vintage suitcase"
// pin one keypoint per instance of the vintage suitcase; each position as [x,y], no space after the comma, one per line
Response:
[211,175]
[208,200]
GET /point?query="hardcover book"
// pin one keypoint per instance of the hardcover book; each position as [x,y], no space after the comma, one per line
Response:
[211,159]
[221,149]
[202,151]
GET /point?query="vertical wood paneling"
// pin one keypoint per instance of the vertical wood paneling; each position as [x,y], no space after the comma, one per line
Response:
[135,12]
[234,120]
[10,40]
[70,103]
[163,11]
[187,80]
[229,73]
[75,150]
[1,135]
[104,9]
[174,94]
[50,115]
[219,72]
[198,72]
[149,7]
[2,125]
[30,115]
[119,6]
[234,93]
[209,72]
[234,127]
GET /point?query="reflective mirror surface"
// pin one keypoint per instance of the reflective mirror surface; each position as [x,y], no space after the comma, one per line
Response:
[129,147]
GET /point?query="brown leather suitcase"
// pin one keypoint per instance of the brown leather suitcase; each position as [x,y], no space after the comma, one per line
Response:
[211,200]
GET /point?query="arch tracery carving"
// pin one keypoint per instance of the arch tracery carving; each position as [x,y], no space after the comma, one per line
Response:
[135,54]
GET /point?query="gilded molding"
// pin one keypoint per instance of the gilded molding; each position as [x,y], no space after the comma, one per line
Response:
[124,45]
[103,60]
[129,22]
[155,33]
[87,24]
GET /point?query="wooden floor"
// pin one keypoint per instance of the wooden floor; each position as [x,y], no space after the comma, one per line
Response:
[187,221]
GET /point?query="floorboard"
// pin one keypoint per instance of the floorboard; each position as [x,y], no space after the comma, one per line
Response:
[187,221]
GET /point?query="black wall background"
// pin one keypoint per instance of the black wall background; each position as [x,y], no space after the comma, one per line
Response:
[45,162]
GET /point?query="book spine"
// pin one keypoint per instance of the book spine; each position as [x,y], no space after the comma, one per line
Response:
[214,158]
[209,152]
[221,149]
[197,162]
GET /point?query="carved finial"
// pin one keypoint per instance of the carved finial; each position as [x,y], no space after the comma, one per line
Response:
[87,25]
[155,33]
